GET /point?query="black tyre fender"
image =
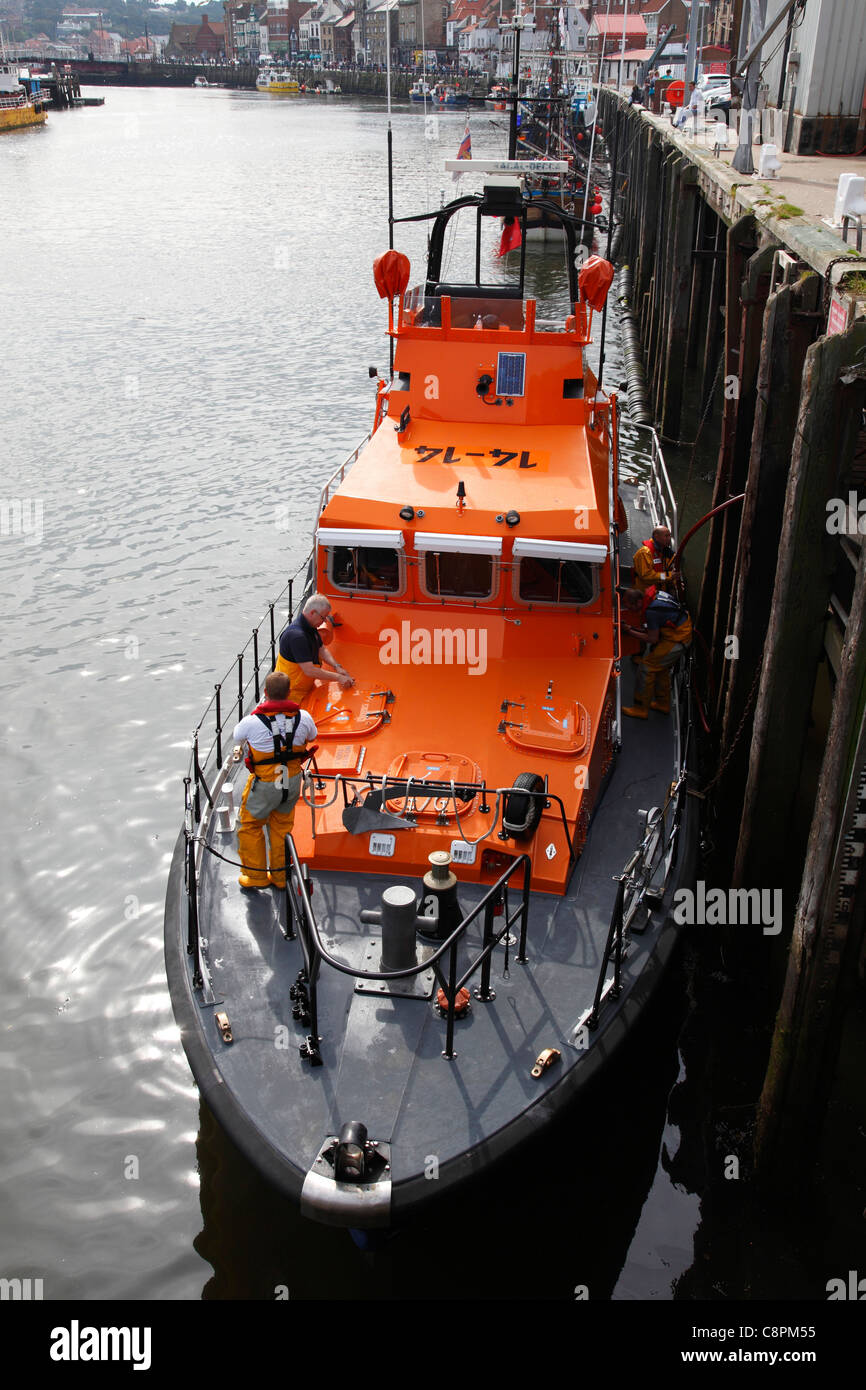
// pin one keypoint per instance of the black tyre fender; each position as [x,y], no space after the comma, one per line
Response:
[520,813]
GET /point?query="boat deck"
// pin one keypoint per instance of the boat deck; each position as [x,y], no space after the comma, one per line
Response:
[382,1055]
[387,1069]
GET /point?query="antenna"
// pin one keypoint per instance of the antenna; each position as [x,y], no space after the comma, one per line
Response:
[388,10]
[516,22]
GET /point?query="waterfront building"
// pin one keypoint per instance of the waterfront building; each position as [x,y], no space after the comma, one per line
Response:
[200,41]
[242,30]
[420,28]
[331,13]
[383,20]
[344,38]
[818,76]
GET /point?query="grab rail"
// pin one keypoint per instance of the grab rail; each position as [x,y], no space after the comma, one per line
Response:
[338,476]
[659,484]
[637,882]
[261,648]
[299,909]
[397,786]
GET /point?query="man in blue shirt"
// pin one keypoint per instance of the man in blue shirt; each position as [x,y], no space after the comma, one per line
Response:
[301,656]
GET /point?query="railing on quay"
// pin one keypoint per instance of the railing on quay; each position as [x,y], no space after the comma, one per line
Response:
[299,910]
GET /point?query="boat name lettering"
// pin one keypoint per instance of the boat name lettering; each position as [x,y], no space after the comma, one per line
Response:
[426,453]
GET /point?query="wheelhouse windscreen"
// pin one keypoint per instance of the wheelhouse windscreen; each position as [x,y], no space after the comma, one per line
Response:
[365,567]
[556,581]
[458,576]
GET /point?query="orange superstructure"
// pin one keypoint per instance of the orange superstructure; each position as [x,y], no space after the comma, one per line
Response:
[467,558]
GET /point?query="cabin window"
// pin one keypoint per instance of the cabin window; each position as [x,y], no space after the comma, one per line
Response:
[365,567]
[457,576]
[572,582]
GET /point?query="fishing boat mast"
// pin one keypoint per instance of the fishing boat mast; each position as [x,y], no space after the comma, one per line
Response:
[516,23]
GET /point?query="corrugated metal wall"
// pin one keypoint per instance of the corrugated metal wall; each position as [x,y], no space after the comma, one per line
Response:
[831,41]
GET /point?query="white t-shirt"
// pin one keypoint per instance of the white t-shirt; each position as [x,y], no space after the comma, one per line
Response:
[251,730]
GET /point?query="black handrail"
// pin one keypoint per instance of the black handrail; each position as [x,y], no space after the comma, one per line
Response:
[616,931]
[314,952]
[197,768]
[424,787]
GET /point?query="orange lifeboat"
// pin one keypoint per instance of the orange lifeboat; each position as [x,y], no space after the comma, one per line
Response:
[470,819]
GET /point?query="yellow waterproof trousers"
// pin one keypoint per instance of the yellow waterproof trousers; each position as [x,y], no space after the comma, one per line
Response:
[262,808]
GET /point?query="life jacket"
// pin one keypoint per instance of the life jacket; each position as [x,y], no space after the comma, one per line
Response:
[662,564]
[266,767]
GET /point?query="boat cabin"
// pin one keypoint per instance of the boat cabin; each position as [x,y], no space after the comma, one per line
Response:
[467,556]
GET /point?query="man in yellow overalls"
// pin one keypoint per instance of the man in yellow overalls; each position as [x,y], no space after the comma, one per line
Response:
[667,631]
[301,657]
[276,734]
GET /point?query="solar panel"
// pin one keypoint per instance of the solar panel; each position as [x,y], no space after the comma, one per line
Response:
[510,373]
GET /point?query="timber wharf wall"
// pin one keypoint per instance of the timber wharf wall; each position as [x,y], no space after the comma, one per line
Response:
[743,306]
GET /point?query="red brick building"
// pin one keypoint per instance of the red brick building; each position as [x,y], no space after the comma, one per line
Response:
[197,41]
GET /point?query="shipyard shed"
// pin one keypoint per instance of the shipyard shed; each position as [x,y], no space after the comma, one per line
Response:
[814,68]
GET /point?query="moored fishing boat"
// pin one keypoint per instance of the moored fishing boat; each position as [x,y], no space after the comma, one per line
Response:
[476,817]
[446,95]
[18,108]
[277,82]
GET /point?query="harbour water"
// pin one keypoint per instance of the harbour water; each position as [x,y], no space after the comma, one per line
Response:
[190,315]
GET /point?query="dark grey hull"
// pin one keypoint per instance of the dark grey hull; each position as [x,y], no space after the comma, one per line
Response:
[442,1120]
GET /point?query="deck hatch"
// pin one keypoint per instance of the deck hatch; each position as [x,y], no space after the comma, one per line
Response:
[510,373]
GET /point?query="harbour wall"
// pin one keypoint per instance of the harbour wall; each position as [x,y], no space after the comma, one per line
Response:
[752,312]
[351,81]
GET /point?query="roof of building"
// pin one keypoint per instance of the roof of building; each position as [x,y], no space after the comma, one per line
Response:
[615,24]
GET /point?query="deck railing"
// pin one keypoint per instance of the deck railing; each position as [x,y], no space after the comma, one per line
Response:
[241,684]
[658,485]
[299,910]
[338,476]
[643,881]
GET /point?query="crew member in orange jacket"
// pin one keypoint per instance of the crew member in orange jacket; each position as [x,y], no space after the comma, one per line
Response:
[667,631]
[652,563]
[276,733]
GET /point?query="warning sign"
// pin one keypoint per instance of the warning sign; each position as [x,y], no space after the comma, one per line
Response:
[837,319]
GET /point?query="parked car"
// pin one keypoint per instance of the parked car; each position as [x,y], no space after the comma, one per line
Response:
[718,96]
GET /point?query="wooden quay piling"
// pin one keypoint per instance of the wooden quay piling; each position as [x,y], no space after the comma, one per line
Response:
[748,305]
